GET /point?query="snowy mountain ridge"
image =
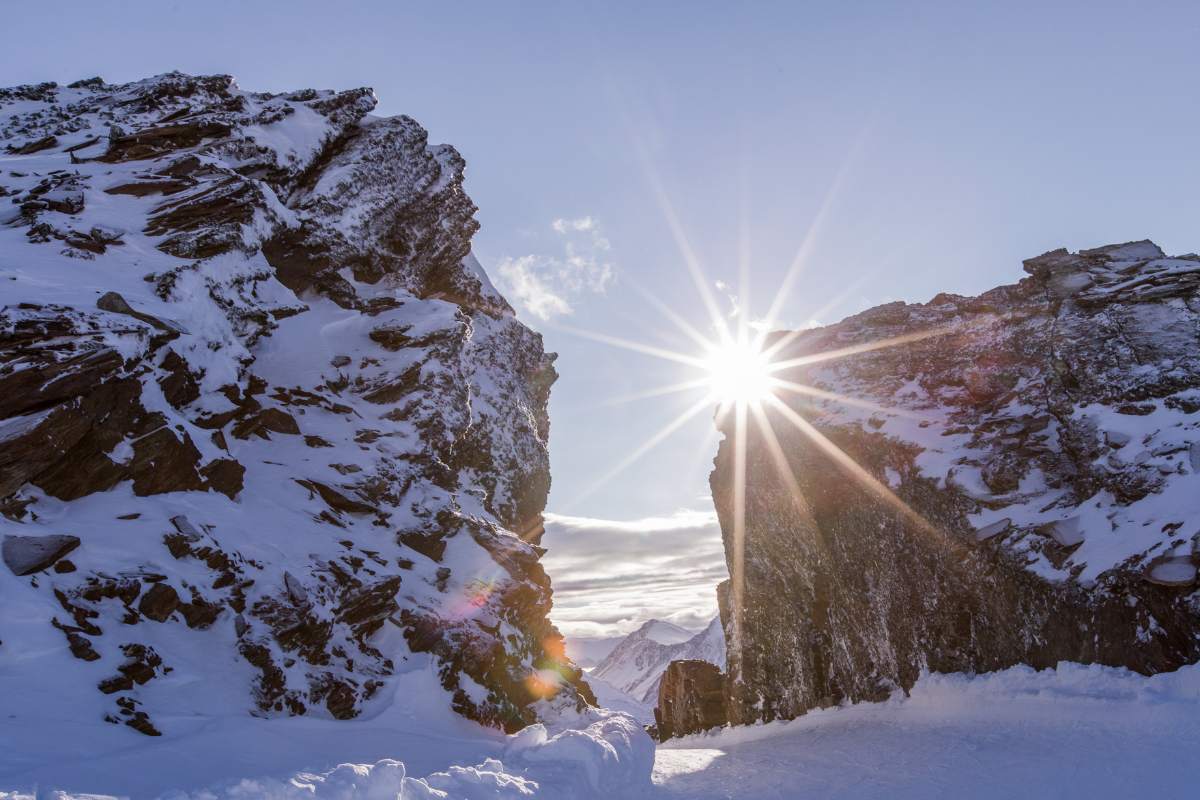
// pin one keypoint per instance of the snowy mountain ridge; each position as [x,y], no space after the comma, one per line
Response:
[635,666]
[589,651]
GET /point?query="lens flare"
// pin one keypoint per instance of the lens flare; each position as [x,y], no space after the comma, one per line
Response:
[543,683]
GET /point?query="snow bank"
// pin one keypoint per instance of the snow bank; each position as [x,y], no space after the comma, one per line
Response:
[610,758]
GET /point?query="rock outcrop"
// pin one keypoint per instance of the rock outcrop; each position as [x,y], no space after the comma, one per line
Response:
[691,699]
[248,359]
[1013,478]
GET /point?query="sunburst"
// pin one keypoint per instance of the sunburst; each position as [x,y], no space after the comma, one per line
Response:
[749,373]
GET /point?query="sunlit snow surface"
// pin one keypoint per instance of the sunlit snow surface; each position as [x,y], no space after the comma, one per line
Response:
[1078,731]
[413,748]
[1091,732]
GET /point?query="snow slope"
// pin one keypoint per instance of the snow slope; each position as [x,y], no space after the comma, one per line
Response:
[241,757]
[1075,732]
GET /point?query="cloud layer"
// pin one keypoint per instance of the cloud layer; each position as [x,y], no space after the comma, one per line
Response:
[546,285]
[610,576]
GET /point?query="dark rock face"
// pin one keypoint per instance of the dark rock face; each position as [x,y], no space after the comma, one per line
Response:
[1009,482]
[691,699]
[294,345]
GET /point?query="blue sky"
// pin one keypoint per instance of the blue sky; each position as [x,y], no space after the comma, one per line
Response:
[945,142]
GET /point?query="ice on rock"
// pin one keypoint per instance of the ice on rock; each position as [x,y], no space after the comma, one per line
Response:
[25,555]
[994,529]
[1117,439]
[1172,571]
[1067,532]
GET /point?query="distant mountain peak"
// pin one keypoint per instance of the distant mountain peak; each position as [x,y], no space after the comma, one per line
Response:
[636,665]
[663,632]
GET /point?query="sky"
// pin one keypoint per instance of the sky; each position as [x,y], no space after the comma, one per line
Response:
[889,150]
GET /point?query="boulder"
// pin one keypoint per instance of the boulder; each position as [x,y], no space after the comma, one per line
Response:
[159,603]
[25,555]
[691,699]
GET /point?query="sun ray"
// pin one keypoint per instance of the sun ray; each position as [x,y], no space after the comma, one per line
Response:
[658,391]
[776,450]
[738,572]
[642,449]
[628,344]
[783,341]
[690,259]
[849,465]
[743,329]
[812,391]
[810,237]
[687,328]
[879,344]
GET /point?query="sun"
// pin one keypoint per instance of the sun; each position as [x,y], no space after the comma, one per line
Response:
[739,373]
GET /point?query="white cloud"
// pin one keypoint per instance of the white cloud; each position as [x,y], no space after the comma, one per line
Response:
[545,285]
[521,280]
[609,576]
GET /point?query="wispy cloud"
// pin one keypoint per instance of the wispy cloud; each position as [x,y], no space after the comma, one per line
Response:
[545,285]
[610,576]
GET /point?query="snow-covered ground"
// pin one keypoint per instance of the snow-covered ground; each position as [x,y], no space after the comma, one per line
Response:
[1074,732]
[1090,732]
[414,748]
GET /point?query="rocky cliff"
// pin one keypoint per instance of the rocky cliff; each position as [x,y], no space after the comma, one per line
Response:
[268,436]
[1014,478]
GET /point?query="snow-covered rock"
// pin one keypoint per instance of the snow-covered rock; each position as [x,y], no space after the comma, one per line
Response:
[1024,492]
[248,360]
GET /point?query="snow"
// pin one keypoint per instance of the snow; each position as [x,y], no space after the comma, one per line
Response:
[1104,532]
[1077,731]
[1074,731]
[988,531]
[610,697]
[238,756]
[663,632]
[1180,571]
